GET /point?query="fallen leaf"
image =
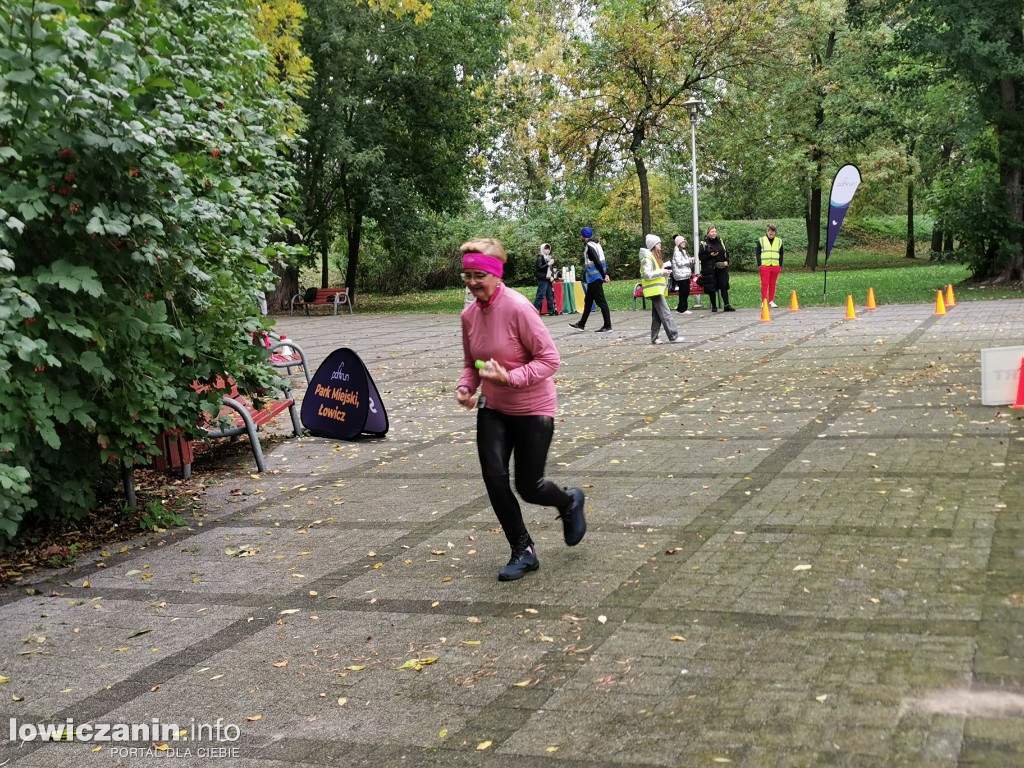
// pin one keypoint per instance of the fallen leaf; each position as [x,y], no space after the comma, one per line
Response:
[602,619]
[254,718]
[678,638]
[355,668]
[4,679]
[821,698]
[417,664]
[442,733]
[803,567]
[483,745]
[288,612]
[281,664]
[342,701]
[140,633]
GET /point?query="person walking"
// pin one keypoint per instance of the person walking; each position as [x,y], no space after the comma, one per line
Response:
[714,269]
[596,276]
[682,268]
[769,263]
[654,274]
[517,405]
[545,280]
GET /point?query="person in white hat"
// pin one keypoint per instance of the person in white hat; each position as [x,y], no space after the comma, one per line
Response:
[682,268]
[654,279]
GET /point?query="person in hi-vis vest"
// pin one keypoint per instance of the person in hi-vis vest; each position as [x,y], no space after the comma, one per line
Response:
[654,276]
[769,262]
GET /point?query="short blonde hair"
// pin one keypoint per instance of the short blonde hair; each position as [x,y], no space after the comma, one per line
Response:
[487,246]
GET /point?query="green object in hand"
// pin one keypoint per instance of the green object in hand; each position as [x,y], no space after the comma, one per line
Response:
[479,364]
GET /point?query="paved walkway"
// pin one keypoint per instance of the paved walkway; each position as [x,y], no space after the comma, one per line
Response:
[805,548]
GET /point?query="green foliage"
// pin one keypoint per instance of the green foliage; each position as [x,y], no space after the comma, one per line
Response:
[392,115]
[157,517]
[65,558]
[142,169]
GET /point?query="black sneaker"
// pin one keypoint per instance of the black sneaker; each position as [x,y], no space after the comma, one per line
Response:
[577,326]
[714,309]
[728,308]
[522,562]
[604,329]
[574,524]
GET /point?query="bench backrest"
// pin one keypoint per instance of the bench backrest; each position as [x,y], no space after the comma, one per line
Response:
[328,294]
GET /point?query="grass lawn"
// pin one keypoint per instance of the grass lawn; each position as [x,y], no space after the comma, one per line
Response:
[896,281]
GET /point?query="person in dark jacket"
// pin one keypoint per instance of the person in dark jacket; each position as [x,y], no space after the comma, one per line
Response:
[714,269]
[596,276]
[545,277]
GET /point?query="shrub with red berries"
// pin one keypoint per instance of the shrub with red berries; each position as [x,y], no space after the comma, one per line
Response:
[112,268]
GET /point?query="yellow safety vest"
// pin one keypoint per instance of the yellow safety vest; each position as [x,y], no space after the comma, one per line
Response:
[657,286]
[769,252]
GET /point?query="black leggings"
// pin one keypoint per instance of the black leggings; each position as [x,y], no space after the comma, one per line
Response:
[498,435]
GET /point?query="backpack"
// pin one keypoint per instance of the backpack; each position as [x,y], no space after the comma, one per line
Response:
[310,295]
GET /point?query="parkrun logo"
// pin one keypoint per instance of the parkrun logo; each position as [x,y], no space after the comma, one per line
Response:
[155,732]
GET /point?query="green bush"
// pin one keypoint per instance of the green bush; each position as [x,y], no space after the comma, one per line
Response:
[143,164]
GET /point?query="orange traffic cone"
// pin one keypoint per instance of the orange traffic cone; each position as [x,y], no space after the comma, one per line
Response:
[766,316]
[940,305]
[794,305]
[1019,405]
[850,313]
[871,300]
[950,298]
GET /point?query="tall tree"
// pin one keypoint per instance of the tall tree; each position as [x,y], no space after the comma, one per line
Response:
[393,113]
[986,49]
[640,61]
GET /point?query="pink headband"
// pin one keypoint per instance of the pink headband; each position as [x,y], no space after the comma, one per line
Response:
[483,262]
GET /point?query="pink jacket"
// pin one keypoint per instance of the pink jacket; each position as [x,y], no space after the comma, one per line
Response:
[509,329]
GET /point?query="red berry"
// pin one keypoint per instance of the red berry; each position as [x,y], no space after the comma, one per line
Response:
[150,295]
[208,184]
[69,177]
[29,320]
[39,368]
[216,152]
[65,154]
[135,171]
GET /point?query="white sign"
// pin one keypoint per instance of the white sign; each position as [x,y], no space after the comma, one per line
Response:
[1000,374]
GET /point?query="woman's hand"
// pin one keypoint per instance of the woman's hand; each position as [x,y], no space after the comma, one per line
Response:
[465,397]
[494,372]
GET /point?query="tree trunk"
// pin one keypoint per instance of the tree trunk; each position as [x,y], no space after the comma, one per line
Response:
[355,234]
[936,246]
[1012,173]
[645,196]
[812,220]
[812,214]
[910,220]
[287,286]
[325,259]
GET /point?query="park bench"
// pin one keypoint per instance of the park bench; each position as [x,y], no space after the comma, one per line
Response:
[323,297]
[695,290]
[284,353]
[242,417]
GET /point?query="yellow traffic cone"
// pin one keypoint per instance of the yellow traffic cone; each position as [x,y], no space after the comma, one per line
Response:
[940,305]
[794,305]
[850,313]
[871,300]
[950,298]
[766,316]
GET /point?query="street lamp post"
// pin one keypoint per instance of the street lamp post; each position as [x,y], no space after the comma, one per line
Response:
[694,104]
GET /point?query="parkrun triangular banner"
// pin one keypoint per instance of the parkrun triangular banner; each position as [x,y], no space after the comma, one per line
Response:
[341,400]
